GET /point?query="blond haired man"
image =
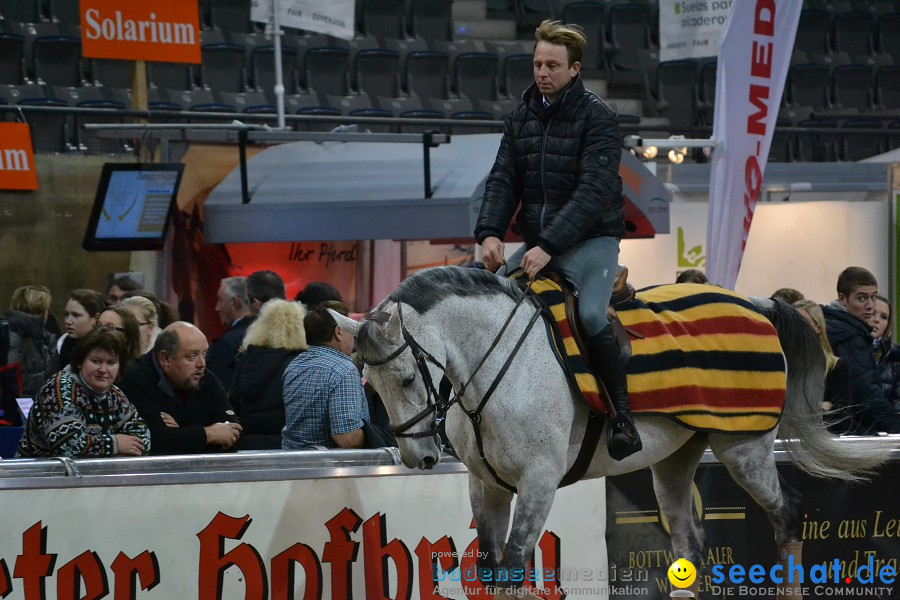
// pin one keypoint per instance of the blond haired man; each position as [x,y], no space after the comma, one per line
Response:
[558,165]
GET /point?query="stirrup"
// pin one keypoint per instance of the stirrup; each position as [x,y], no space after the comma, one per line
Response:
[622,440]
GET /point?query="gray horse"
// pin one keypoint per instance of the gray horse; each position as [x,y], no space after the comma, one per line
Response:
[447,321]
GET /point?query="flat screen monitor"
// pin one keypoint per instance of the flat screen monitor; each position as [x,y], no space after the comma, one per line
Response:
[133,206]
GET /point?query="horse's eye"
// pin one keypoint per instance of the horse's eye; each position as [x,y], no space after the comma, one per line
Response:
[409,380]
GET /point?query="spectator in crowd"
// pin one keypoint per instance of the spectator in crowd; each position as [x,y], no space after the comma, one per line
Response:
[144,310]
[837,399]
[324,401]
[80,413]
[185,409]
[262,286]
[692,276]
[233,308]
[789,295]
[271,343]
[557,170]
[118,289]
[887,353]
[167,315]
[316,292]
[82,309]
[121,320]
[30,344]
[850,335]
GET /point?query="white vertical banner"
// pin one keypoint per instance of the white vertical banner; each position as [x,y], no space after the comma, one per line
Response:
[753,62]
[691,28]
[331,17]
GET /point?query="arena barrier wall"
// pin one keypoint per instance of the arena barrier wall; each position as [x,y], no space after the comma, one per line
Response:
[307,524]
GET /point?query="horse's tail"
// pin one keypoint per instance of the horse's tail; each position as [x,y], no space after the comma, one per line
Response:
[803,429]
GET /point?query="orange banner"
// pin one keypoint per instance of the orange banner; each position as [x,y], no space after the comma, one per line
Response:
[17,171]
[164,31]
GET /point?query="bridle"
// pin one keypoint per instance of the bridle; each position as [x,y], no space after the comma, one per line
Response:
[437,406]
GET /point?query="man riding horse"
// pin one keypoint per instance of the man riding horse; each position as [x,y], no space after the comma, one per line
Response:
[558,163]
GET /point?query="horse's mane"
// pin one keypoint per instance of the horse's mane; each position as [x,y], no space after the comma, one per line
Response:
[423,290]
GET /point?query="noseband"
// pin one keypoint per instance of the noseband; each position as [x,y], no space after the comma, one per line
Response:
[437,406]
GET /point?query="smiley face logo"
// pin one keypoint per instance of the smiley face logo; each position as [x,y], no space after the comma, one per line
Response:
[682,573]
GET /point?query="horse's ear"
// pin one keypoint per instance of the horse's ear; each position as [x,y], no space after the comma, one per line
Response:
[345,323]
[394,326]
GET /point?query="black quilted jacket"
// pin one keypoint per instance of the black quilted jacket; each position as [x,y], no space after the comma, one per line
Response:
[562,164]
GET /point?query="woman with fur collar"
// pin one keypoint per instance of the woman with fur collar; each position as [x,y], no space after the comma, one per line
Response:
[271,343]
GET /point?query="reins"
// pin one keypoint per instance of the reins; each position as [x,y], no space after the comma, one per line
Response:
[439,406]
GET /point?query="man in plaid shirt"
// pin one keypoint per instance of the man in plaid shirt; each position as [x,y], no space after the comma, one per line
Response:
[324,401]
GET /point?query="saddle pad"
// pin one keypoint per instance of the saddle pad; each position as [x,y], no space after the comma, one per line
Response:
[565,348]
[709,359]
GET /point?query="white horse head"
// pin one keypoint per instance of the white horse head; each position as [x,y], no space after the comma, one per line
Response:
[393,370]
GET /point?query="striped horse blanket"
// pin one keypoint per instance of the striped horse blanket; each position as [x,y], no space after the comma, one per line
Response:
[708,358]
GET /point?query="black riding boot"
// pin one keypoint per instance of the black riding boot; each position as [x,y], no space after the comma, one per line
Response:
[622,439]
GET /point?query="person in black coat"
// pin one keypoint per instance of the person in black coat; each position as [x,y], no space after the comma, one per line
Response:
[183,405]
[271,343]
[233,307]
[850,336]
[558,166]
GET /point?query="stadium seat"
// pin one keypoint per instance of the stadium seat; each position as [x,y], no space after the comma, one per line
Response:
[450,106]
[22,11]
[222,67]
[230,15]
[852,33]
[782,148]
[431,20]
[317,111]
[676,82]
[887,35]
[382,18]
[374,112]
[295,102]
[377,72]
[65,11]
[12,58]
[421,114]
[472,115]
[808,86]
[247,102]
[629,31]
[817,146]
[859,146]
[498,108]
[850,87]
[262,68]
[590,16]
[427,74]
[475,75]
[518,74]
[56,60]
[812,32]
[88,141]
[400,105]
[707,104]
[111,72]
[887,87]
[170,76]
[347,104]
[49,131]
[327,71]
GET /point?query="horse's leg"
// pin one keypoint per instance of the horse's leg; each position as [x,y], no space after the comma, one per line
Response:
[672,479]
[751,462]
[490,509]
[535,497]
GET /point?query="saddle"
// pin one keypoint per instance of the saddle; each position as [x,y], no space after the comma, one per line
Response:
[622,292]
[559,300]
